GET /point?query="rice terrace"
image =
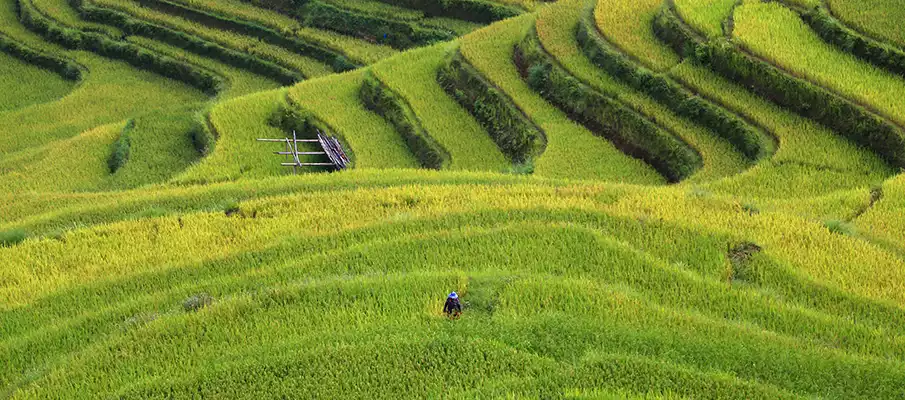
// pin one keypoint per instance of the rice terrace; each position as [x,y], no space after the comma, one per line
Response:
[588,199]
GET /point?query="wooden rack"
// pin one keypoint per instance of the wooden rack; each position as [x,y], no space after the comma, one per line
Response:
[329,145]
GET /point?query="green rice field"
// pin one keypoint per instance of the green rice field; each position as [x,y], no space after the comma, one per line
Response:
[664,199]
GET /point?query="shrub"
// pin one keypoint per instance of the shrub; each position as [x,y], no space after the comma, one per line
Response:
[121,148]
[12,237]
[197,302]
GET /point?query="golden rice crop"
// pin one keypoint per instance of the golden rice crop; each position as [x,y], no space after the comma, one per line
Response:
[628,24]
[354,48]
[879,18]
[235,279]
[779,35]
[571,150]
[556,27]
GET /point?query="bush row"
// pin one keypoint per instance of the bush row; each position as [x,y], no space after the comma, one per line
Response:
[867,49]
[134,26]
[292,118]
[67,69]
[397,34]
[480,11]
[337,61]
[803,97]
[122,147]
[394,33]
[629,131]
[204,136]
[513,133]
[752,142]
[378,98]
[133,54]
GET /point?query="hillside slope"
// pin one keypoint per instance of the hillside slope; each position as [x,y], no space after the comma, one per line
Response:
[633,200]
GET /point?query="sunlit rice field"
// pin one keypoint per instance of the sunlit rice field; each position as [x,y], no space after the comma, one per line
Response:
[620,217]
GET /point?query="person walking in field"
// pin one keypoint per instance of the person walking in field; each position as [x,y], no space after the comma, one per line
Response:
[452,308]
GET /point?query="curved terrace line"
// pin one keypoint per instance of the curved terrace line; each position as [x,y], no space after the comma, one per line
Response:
[746,51]
[621,143]
[674,29]
[708,113]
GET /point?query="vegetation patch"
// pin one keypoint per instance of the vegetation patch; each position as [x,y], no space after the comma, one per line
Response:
[628,130]
[122,147]
[12,237]
[805,98]
[197,302]
[752,142]
[740,261]
[379,98]
[515,135]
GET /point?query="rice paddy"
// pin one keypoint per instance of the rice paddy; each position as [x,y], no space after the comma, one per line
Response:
[150,247]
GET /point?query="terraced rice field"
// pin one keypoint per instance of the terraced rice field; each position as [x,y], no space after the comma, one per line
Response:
[656,199]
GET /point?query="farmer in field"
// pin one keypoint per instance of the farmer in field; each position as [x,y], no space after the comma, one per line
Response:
[452,308]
